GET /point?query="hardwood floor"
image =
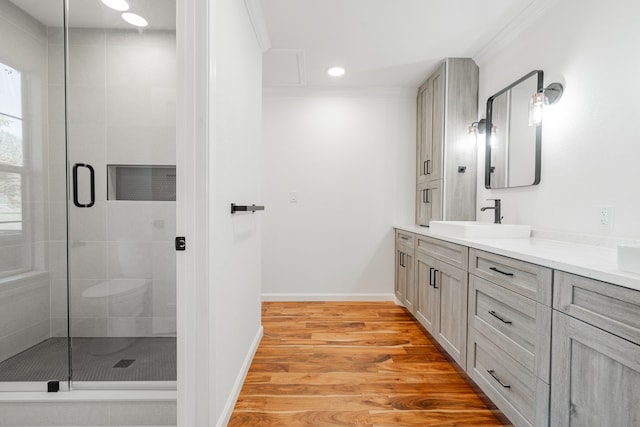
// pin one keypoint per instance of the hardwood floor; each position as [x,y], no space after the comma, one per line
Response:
[354,364]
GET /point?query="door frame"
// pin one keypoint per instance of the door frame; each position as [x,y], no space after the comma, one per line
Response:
[195,319]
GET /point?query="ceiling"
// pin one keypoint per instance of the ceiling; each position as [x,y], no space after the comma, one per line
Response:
[160,14]
[380,43]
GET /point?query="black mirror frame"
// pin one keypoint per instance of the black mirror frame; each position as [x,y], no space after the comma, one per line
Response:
[538,159]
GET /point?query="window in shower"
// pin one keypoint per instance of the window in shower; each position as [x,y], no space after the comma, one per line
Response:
[13,172]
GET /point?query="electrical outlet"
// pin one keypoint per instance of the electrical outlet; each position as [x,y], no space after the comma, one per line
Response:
[605,217]
[293,197]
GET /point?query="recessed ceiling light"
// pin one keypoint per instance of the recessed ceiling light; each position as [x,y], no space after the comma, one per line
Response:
[119,5]
[134,19]
[335,71]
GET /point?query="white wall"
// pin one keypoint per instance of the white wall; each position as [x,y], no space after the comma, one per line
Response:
[235,154]
[350,157]
[590,147]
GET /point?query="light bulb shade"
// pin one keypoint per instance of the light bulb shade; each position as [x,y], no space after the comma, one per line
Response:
[536,106]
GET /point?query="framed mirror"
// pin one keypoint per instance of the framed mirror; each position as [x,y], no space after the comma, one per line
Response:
[513,148]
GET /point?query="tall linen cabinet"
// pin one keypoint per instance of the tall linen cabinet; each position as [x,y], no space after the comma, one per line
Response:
[446,154]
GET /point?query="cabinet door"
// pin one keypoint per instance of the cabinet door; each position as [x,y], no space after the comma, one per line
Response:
[437,123]
[427,296]
[423,208]
[424,145]
[595,376]
[430,130]
[434,199]
[400,283]
[451,283]
[409,282]
[429,202]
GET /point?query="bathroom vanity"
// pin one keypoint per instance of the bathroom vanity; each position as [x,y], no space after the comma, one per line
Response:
[549,330]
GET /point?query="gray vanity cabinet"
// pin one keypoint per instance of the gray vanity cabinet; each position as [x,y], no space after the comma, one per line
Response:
[510,335]
[404,270]
[447,104]
[596,353]
[441,284]
[494,315]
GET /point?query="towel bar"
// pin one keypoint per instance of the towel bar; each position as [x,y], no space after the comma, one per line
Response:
[244,208]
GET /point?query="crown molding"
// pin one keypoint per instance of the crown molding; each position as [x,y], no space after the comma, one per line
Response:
[522,22]
[333,91]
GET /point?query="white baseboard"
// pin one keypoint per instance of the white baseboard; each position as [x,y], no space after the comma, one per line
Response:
[237,386]
[328,297]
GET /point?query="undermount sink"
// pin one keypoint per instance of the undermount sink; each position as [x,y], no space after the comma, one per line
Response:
[473,229]
[629,258]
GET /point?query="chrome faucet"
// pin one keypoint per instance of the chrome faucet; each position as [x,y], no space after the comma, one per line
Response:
[497,215]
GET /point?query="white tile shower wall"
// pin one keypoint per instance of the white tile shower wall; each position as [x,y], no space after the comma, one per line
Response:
[122,111]
[24,313]
[24,296]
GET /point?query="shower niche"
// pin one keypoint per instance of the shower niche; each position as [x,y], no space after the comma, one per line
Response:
[141,182]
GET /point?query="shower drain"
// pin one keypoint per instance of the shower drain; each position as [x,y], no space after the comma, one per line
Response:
[124,363]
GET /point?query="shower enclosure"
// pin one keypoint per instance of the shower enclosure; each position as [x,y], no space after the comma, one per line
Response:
[87,195]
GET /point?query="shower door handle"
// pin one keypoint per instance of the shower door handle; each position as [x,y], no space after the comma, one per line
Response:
[92,185]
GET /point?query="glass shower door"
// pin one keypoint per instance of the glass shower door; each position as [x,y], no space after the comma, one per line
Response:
[121,161]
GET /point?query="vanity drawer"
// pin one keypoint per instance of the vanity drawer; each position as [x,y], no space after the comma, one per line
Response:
[450,253]
[532,281]
[511,386]
[518,325]
[613,308]
[404,238]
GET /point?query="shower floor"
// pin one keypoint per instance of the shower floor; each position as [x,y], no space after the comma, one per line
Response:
[95,359]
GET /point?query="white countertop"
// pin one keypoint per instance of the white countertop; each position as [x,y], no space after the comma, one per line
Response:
[596,262]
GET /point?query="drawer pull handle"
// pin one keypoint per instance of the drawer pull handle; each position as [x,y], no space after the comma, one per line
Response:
[435,279]
[493,313]
[431,276]
[501,272]
[404,237]
[493,374]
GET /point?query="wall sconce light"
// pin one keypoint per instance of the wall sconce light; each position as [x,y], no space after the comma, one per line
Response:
[475,129]
[478,128]
[546,96]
